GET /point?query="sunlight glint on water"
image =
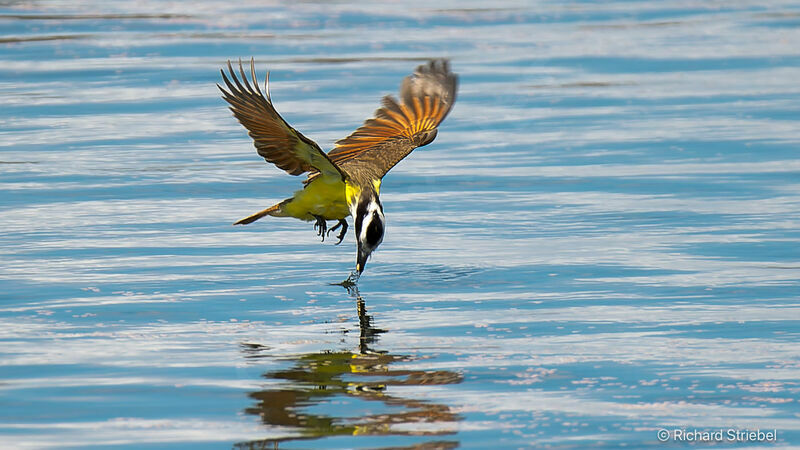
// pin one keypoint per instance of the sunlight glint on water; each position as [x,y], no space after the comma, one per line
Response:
[602,241]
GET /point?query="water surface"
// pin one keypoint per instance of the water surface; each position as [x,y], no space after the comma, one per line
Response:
[602,241]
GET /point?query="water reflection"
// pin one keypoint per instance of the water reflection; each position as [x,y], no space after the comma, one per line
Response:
[320,388]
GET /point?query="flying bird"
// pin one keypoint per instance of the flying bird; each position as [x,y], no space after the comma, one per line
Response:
[346,181]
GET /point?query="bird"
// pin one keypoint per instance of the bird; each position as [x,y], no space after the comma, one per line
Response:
[346,181]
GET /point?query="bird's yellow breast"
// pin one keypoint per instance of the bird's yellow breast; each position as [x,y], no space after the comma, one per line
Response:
[322,197]
[352,191]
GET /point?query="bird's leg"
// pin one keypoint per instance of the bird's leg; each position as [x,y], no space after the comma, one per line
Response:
[321,226]
[342,223]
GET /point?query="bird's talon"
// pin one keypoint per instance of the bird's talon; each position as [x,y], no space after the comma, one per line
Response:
[342,223]
[321,226]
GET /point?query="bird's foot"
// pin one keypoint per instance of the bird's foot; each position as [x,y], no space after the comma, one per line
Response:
[321,226]
[342,223]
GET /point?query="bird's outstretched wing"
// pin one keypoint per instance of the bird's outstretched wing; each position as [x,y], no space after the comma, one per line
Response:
[274,139]
[426,97]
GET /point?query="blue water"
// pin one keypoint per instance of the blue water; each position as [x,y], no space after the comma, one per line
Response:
[602,242]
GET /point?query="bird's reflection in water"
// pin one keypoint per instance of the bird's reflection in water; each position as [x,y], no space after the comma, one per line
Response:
[337,381]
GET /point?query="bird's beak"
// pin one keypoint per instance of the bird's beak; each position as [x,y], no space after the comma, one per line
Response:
[361,260]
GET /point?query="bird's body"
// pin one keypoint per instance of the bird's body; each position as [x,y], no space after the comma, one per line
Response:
[346,181]
[320,198]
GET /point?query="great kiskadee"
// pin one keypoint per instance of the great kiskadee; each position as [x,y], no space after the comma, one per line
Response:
[346,181]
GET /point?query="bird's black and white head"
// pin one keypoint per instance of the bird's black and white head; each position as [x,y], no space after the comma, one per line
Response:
[370,225]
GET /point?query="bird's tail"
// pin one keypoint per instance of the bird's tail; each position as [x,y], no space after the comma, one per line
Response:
[274,210]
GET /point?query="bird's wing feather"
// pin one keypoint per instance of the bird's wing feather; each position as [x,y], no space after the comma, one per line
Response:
[399,127]
[275,140]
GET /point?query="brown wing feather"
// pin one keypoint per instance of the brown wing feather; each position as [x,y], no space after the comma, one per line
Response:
[275,140]
[399,127]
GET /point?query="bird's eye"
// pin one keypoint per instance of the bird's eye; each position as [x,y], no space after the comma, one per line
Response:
[374,231]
